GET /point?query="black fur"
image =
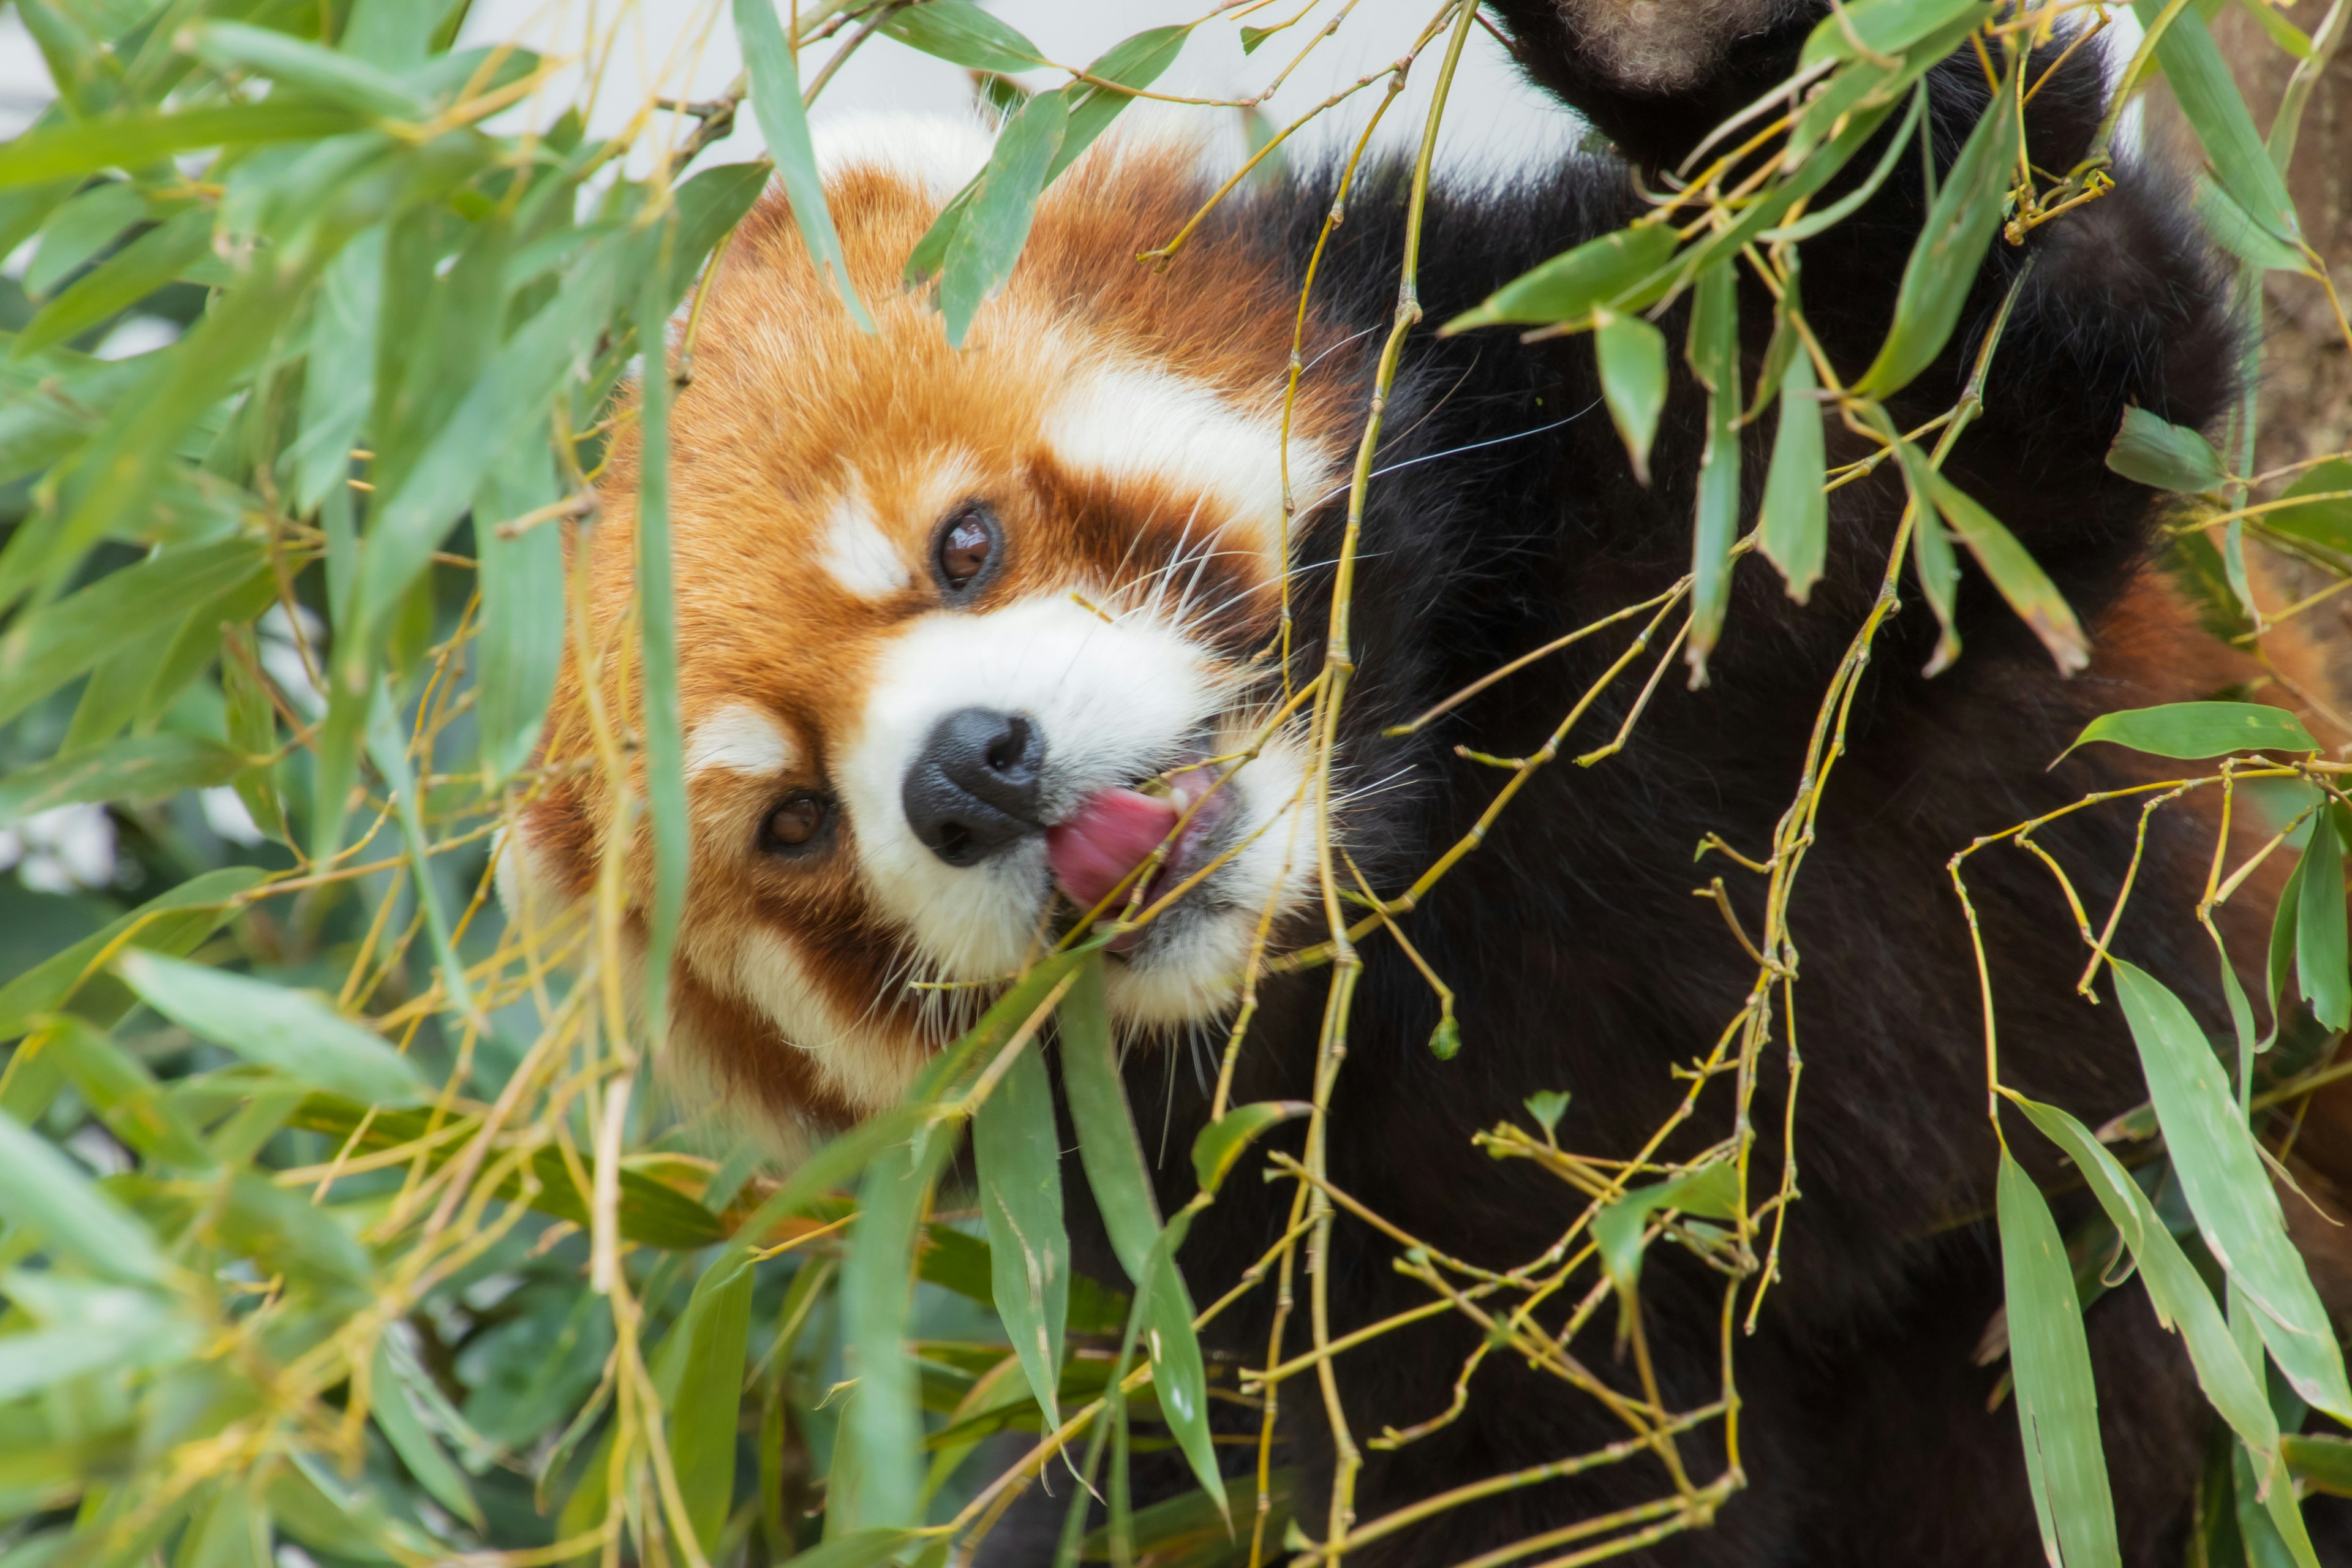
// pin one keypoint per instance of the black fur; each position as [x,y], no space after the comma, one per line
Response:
[1581,958]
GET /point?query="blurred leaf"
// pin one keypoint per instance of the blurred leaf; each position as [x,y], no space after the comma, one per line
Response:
[1942,270]
[290,1030]
[1572,285]
[43,650]
[2321,1461]
[340,79]
[1796,512]
[418,1449]
[140,137]
[2169,457]
[2221,1174]
[776,100]
[664,739]
[879,1452]
[2234,229]
[1711,1190]
[2193,730]
[84,1328]
[2323,970]
[1631,354]
[1714,355]
[2326,522]
[1884,27]
[80,229]
[41,1189]
[520,645]
[1223,1141]
[338,374]
[989,241]
[174,923]
[1017,1155]
[252,720]
[2209,99]
[2057,1403]
[964,35]
[700,1373]
[1547,1106]
[232,1531]
[857,1549]
[2021,582]
[142,768]
[123,1094]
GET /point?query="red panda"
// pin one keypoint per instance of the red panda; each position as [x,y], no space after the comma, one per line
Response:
[966,634]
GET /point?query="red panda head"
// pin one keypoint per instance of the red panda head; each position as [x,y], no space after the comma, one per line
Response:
[963,634]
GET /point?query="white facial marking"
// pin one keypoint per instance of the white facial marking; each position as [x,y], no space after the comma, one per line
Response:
[1129,422]
[858,554]
[740,739]
[865,1066]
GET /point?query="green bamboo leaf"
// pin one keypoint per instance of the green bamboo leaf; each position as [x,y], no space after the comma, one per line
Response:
[1223,1141]
[2325,519]
[2209,99]
[2013,570]
[961,33]
[123,1093]
[1937,278]
[2322,971]
[1134,62]
[252,720]
[1163,1310]
[1631,354]
[2321,1461]
[877,1473]
[1795,525]
[1572,285]
[1547,1106]
[989,241]
[231,1530]
[2193,730]
[397,1416]
[84,1327]
[340,79]
[857,1549]
[1714,354]
[80,229]
[2233,228]
[142,768]
[1108,1145]
[387,746]
[1886,27]
[776,100]
[338,374]
[42,1191]
[1017,1154]
[709,205]
[2057,1403]
[288,1030]
[665,744]
[2151,451]
[140,137]
[520,645]
[175,922]
[44,650]
[2174,1287]
[1712,1191]
[700,1374]
[2228,1190]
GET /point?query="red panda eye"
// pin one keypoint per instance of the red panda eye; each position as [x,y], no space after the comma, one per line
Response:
[796,823]
[968,545]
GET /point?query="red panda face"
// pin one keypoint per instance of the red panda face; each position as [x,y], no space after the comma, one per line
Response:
[965,636]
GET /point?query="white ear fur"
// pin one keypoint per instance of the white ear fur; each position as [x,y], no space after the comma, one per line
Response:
[940,153]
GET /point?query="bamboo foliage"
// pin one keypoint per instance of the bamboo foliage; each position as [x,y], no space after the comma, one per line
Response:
[341,1214]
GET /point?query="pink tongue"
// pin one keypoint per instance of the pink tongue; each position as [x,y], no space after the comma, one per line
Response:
[1109,836]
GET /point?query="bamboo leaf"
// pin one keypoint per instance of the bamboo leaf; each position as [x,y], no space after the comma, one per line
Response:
[340,373]
[1179,1378]
[1575,283]
[1714,354]
[2210,101]
[857,1549]
[174,923]
[1711,1190]
[1108,1146]
[78,230]
[295,1033]
[2151,451]
[1939,276]
[140,768]
[1796,512]
[2323,972]
[520,645]
[44,650]
[2228,1190]
[125,1093]
[665,744]
[2233,228]
[1886,27]
[988,242]
[2057,1405]
[2327,518]
[964,33]
[776,100]
[1135,62]
[1223,1141]
[340,79]
[2193,730]
[879,1452]
[2021,582]
[1631,354]
[134,138]
[405,1429]
[702,1377]
[1017,1154]
[41,1189]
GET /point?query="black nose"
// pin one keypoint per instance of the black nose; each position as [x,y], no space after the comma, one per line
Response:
[973,790]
